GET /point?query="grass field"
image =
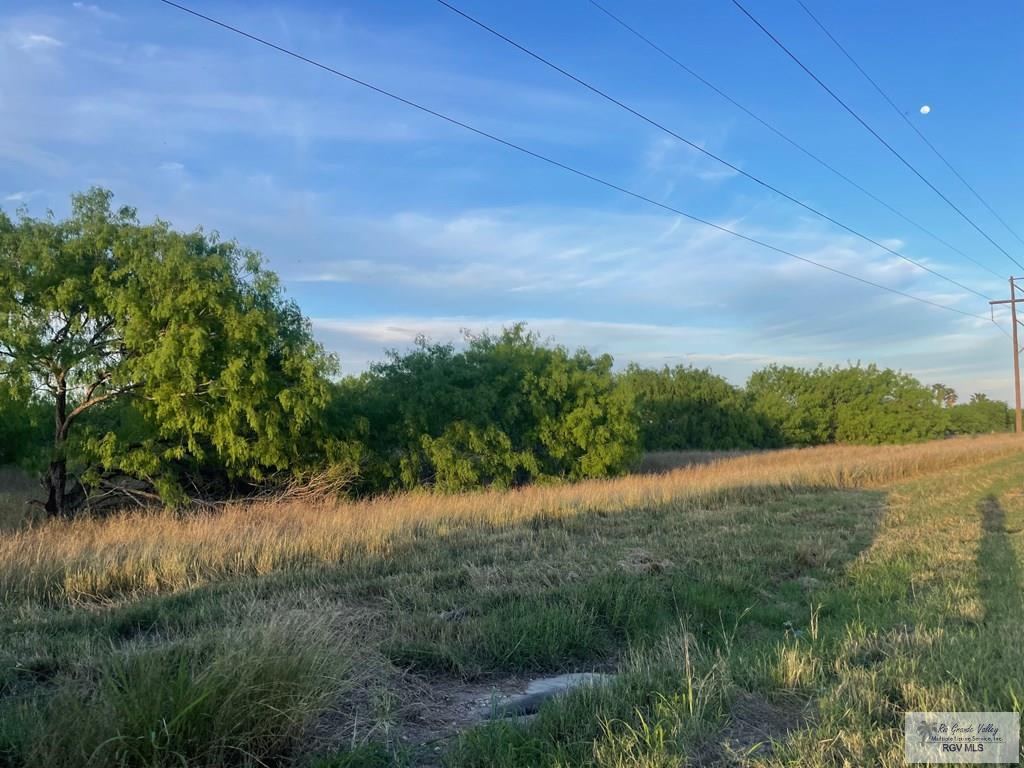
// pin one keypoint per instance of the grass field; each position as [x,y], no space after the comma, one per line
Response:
[782,608]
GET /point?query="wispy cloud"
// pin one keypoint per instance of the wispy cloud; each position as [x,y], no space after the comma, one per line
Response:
[95,10]
[385,223]
[22,196]
[405,329]
[661,260]
[672,159]
[360,341]
[31,156]
[36,40]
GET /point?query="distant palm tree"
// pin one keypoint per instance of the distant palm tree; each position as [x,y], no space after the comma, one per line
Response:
[944,395]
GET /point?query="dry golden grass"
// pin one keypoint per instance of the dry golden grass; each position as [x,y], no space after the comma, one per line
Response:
[146,553]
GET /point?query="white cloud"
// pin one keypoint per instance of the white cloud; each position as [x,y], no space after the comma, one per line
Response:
[247,94]
[649,288]
[31,156]
[22,196]
[658,260]
[352,197]
[674,159]
[95,10]
[404,330]
[36,40]
[359,341]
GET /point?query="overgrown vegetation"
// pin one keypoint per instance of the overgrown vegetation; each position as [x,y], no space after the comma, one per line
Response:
[906,621]
[504,411]
[163,357]
[139,364]
[279,632]
[689,409]
[232,698]
[820,591]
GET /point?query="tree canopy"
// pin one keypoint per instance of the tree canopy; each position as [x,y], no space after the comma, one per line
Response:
[687,408]
[855,404]
[161,352]
[979,416]
[504,411]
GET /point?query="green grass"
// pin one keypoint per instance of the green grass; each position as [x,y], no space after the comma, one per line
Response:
[832,611]
[230,698]
[926,618]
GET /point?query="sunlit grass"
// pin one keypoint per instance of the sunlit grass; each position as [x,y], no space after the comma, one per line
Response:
[826,589]
[149,553]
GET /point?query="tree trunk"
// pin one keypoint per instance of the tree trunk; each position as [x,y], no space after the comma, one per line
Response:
[56,479]
[56,482]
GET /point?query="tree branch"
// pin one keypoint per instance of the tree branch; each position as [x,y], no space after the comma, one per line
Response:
[101,329]
[62,333]
[103,379]
[90,402]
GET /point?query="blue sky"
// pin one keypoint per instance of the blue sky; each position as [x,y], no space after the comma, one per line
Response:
[384,223]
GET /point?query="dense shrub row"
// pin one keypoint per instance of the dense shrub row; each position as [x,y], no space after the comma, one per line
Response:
[509,409]
[170,365]
[503,411]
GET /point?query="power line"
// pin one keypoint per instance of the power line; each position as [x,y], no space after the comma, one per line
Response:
[651,121]
[874,133]
[559,164]
[793,142]
[903,115]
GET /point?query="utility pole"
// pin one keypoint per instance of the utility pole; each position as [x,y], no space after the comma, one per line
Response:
[1012,301]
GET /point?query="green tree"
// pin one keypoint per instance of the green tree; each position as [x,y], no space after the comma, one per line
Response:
[879,405]
[796,401]
[944,396]
[24,421]
[686,408]
[980,416]
[855,404]
[504,411]
[156,349]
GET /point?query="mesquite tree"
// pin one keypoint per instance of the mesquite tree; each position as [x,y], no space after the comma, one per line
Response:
[171,347]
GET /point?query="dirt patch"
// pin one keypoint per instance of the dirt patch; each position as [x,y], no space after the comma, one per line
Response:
[404,713]
[756,723]
[444,708]
[418,715]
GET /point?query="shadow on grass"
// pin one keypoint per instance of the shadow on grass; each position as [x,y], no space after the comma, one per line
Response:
[543,595]
[554,594]
[549,593]
[929,622]
[995,681]
[998,563]
[749,576]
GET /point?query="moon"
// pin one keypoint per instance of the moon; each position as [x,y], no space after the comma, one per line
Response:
[925,109]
